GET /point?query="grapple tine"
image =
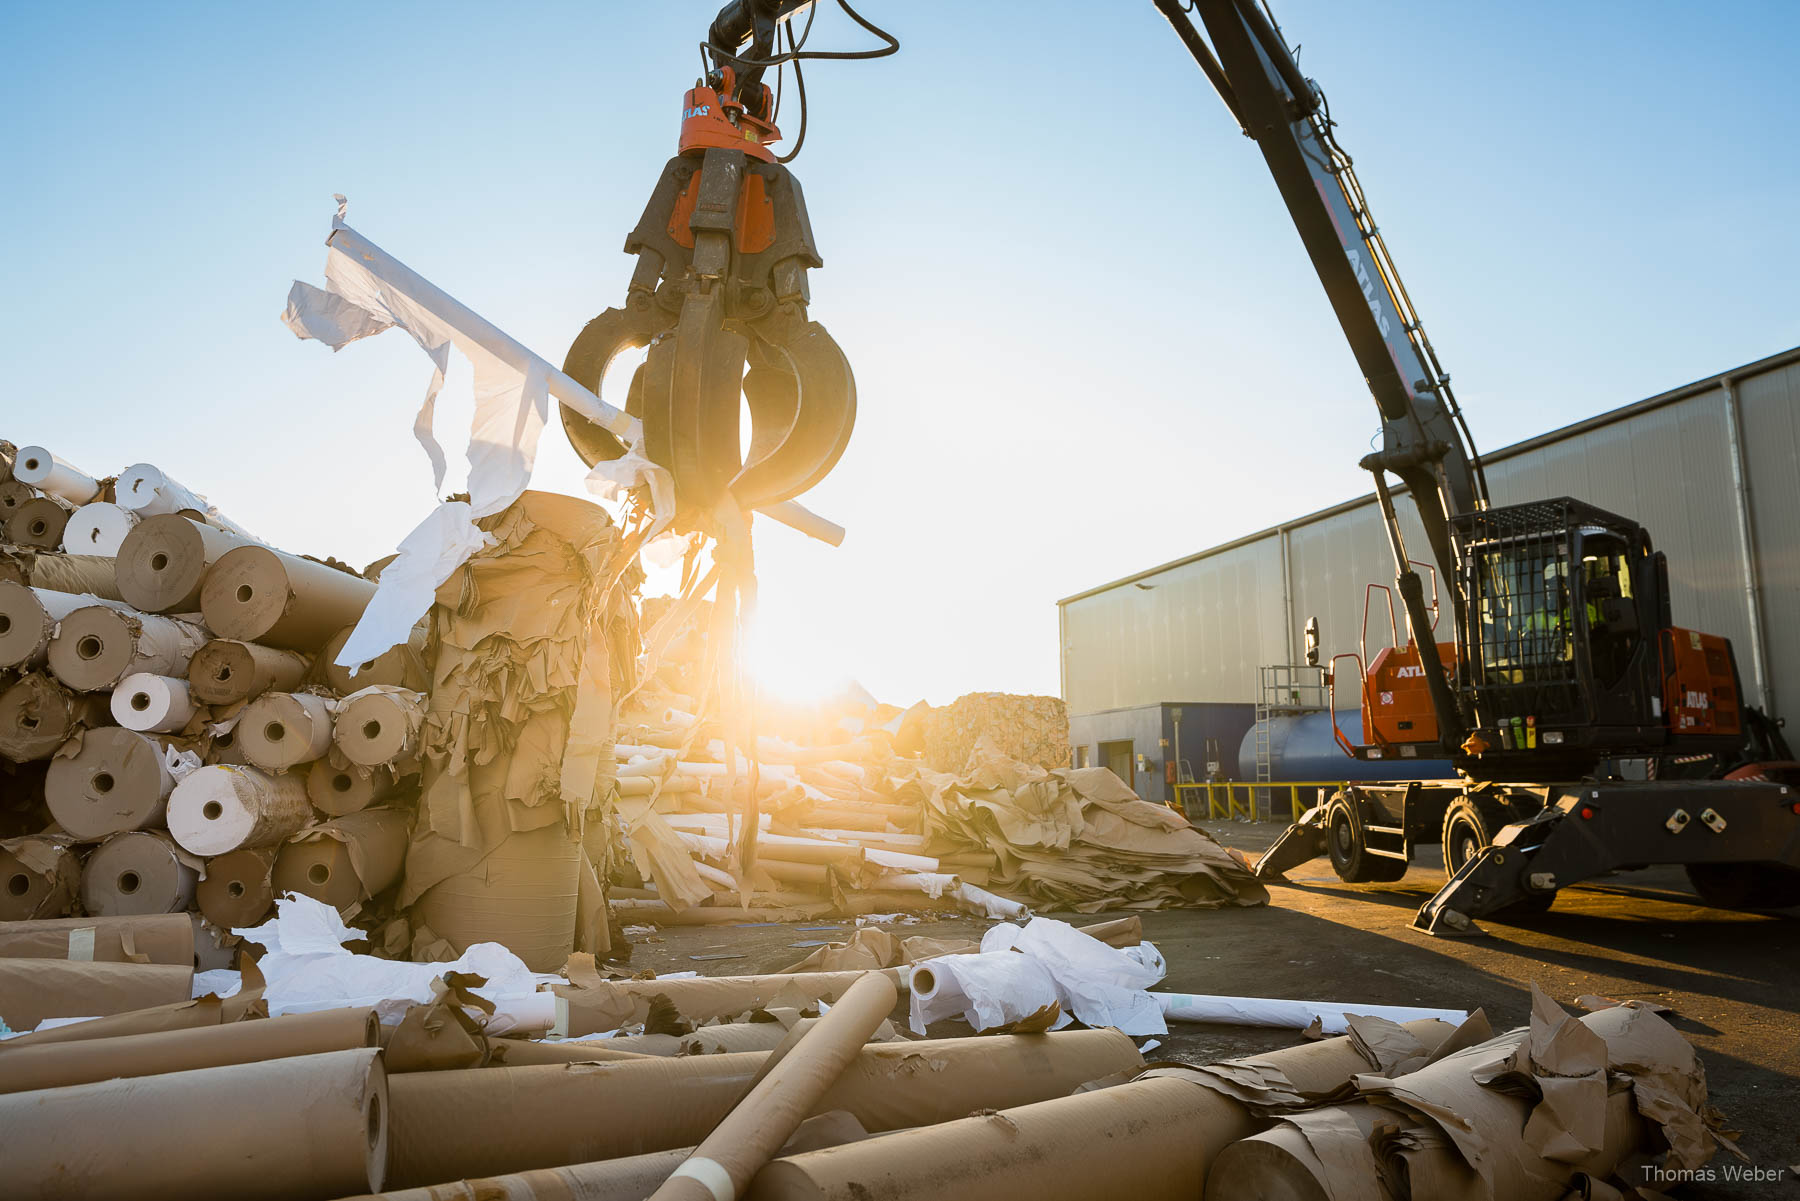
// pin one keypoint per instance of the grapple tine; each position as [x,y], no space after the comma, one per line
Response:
[599,343]
[808,407]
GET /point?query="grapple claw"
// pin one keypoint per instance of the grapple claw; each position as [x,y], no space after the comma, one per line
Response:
[601,341]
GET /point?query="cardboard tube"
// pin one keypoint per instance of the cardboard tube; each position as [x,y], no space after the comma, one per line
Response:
[611,1004]
[164,938]
[28,618]
[115,781]
[629,1178]
[444,1123]
[279,730]
[224,671]
[208,1010]
[34,989]
[89,574]
[400,666]
[223,808]
[336,791]
[163,561]
[47,473]
[345,860]
[140,872]
[58,1065]
[333,1141]
[98,528]
[39,522]
[380,725]
[239,887]
[98,646]
[1297,1015]
[145,702]
[37,715]
[739,1146]
[39,878]
[263,595]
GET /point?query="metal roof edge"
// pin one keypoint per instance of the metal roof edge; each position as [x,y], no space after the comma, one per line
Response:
[1706,384]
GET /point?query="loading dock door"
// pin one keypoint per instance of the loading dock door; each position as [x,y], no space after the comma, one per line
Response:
[1118,759]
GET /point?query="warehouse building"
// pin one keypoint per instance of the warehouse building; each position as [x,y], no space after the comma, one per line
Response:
[1711,469]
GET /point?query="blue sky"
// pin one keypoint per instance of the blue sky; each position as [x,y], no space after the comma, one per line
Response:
[1085,335]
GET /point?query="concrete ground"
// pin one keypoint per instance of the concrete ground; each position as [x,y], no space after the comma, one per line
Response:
[1733,979]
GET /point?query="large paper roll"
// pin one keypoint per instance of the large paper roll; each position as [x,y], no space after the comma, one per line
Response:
[39,522]
[279,730]
[98,528]
[224,671]
[98,646]
[345,860]
[263,595]
[444,1121]
[40,876]
[47,473]
[147,1137]
[37,715]
[222,808]
[400,666]
[13,493]
[115,781]
[147,703]
[163,938]
[59,1065]
[239,888]
[92,575]
[380,725]
[523,896]
[140,872]
[163,561]
[338,790]
[28,618]
[34,989]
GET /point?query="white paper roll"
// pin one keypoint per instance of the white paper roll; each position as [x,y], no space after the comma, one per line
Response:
[98,529]
[1295,1015]
[147,490]
[152,703]
[988,990]
[220,809]
[47,473]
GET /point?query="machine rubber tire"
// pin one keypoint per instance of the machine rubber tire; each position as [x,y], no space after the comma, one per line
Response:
[1745,885]
[1468,830]
[1344,842]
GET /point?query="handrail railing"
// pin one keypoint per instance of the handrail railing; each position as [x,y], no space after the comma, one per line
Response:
[1223,799]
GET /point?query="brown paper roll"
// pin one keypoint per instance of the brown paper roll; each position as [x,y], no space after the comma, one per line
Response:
[14,493]
[336,791]
[610,1004]
[78,574]
[262,595]
[522,896]
[379,728]
[400,666]
[140,872]
[58,1065]
[222,808]
[38,522]
[28,618]
[163,560]
[780,1100]
[279,730]
[147,1137]
[444,1123]
[34,989]
[37,715]
[345,860]
[239,888]
[115,781]
[39,878]
[176,1015]
[165,938]
[224,671]
[1134,1141]
[98,646]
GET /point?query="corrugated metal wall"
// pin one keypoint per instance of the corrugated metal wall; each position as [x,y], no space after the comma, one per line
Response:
[1199,628]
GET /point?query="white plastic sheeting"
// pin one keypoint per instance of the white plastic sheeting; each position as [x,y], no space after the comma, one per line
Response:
[307,968]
